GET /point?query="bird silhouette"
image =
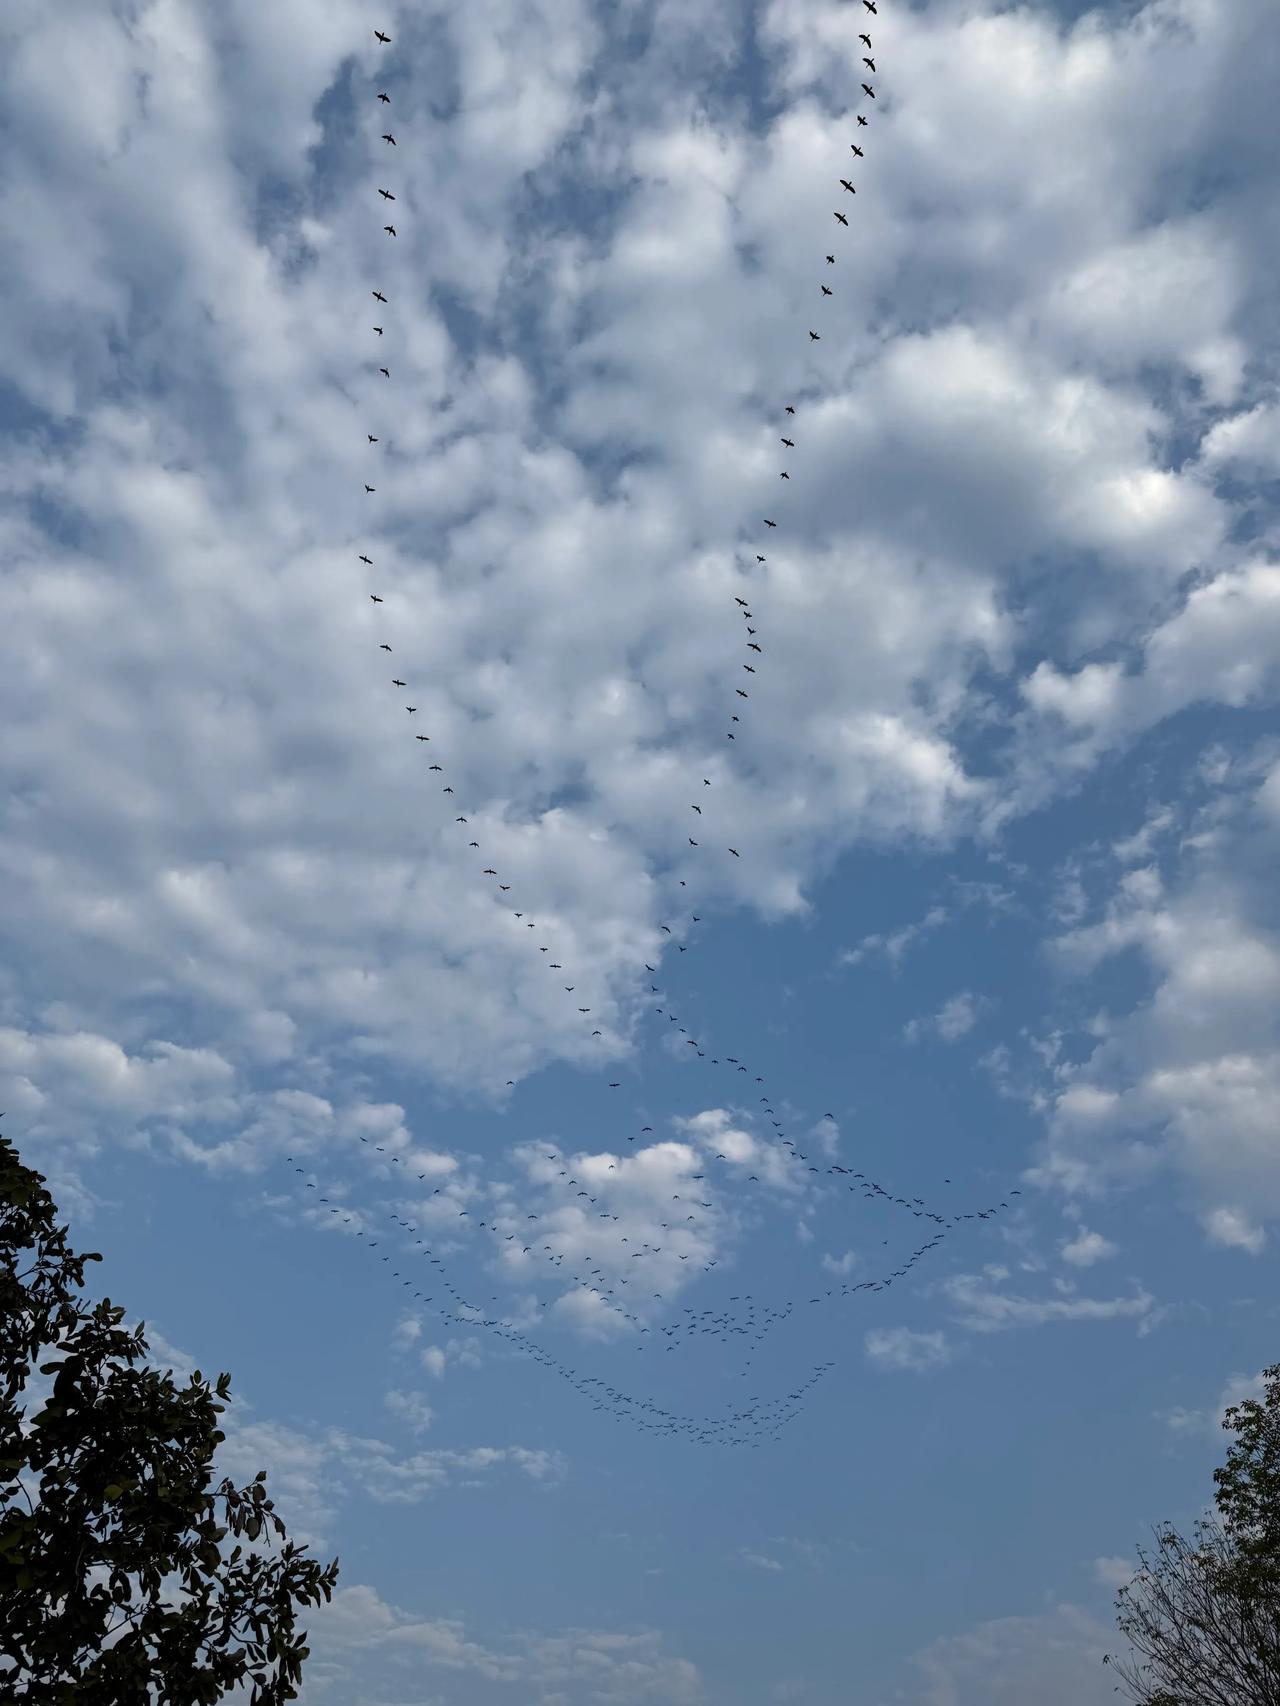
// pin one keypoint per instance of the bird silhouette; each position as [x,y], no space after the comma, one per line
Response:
[386,98]
[387,195]
[387,136]
[390,230]
[825,291]
[378,296]
[847,185]
[381,37]
[871,63]
[857,150]
[365,559]
[842,219]
[769,523]
[869,90]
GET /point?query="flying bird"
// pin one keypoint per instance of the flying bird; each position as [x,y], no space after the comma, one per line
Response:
[848,186]
[378,296]
[384,647]
[784,475]
[769,523]
[869,90]
[736,599]
[814,336]
[870,5]
[365,559]
[861,120]
[866,39]
[383,39]
[386,371]
[386,98]
[842,219]
[387,136]
[857,150]
[411,707]
[387,195]
[378,330]
[371,438]
[371,488]
[825,291]
[870,62]
[789,409]
[390,230]
[735,853]
[375,598]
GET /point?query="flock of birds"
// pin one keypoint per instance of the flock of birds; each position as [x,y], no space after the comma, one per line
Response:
[605,1256]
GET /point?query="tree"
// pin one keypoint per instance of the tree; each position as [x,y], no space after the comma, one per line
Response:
[115,1587]
[1202,1615]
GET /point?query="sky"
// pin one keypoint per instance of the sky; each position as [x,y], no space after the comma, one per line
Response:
[1004,795]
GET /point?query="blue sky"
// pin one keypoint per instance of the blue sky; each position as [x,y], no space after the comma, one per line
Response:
[1006,794]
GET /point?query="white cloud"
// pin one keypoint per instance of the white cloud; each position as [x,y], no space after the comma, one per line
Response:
[1113,1572]
[841,1266]
[1086,1248]
[904,1348]
[983,1309]
[954,1019]
[359,1638]
[1234,1230]
[412,1408]
[1053,1658]
[895,945]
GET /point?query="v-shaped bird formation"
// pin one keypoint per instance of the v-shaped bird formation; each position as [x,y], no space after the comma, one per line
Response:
[606,1273]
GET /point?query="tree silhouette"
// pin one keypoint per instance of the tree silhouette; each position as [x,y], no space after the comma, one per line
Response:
[1202,1615]
[115,1587]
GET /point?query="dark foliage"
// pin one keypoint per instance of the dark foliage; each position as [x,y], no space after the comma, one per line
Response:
[1202,1616]
[115,1587]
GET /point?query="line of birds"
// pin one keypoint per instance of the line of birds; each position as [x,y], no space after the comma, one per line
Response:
[756,1320]
[752,1324]
[464,820]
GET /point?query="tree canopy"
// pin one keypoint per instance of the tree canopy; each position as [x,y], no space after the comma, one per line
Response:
[115,1584]
[1202,1615]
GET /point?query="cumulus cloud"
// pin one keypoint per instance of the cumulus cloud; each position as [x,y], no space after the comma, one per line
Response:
[1190,1079]
[954,1019]
[1113,1572]
[359,1635]
[1053,1658]
[1086,1248]
[899,1348]
[1234,1230]
[983,1308]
